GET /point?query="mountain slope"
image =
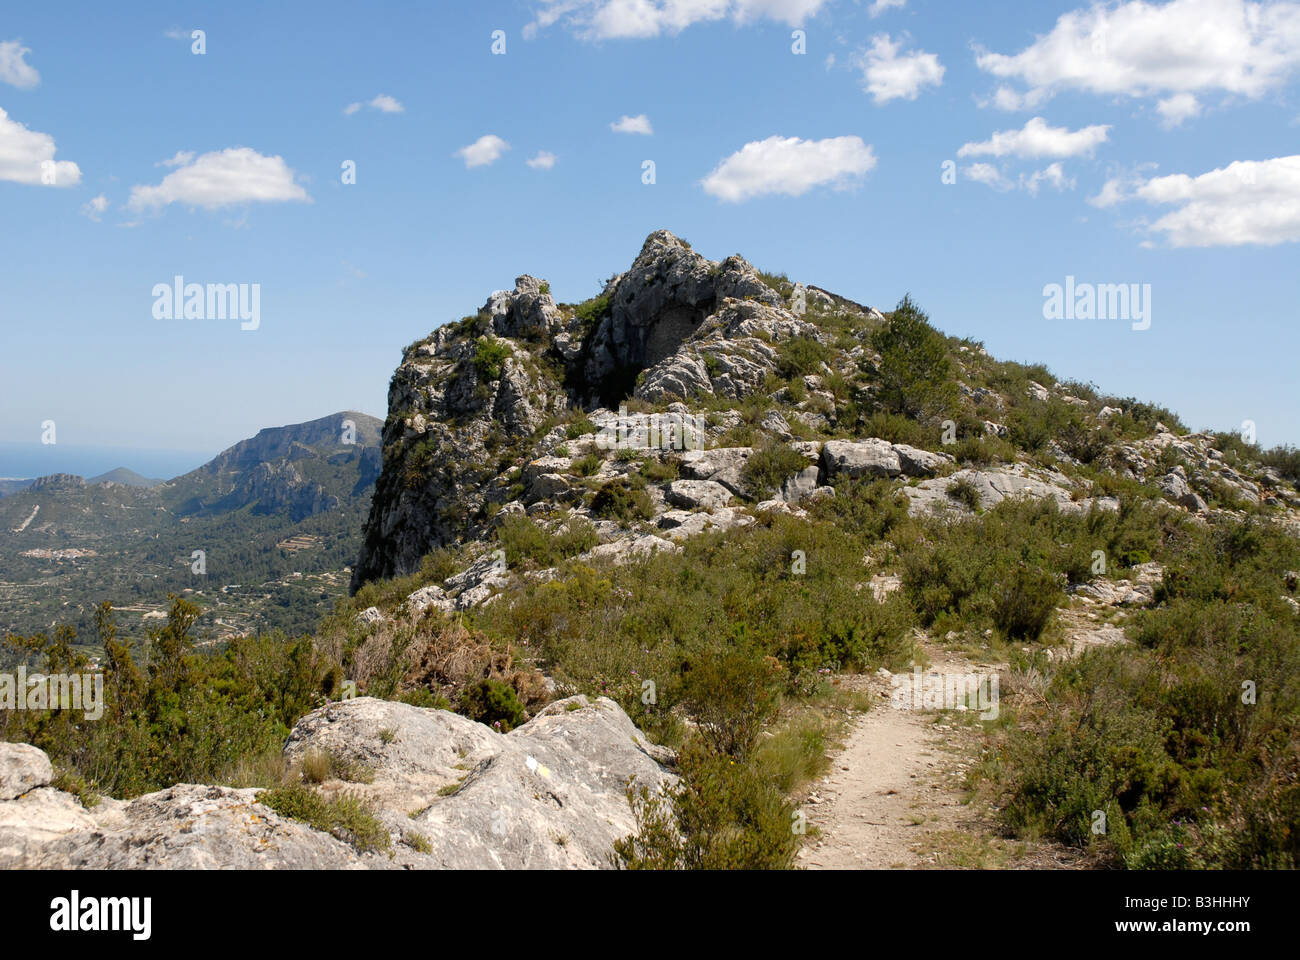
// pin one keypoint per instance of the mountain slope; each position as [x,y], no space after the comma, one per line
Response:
[493,415]
[288,501]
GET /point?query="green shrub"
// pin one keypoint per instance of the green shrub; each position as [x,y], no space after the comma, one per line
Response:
[1285,460]
[800,356]
[490,357]
[343,815]
[770,466]
[619,500]
[1024,600]
[897,428]
[964,491]
[661,471]
[589,313]
[1005,568]
[868,509]
[525,540]
[493,703]
[778,282]
[585,466]
[579,428]
[722,815]
[732,695]
[1186,739]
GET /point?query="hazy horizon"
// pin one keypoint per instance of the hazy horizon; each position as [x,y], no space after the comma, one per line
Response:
[26,461]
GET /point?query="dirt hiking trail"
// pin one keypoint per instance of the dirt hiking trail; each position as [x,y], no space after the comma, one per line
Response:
[895,796]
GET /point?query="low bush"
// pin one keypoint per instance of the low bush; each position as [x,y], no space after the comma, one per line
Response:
[493,703]
[525,541]
[490,357]
[343,815]
[769,467]
[620,500]
[722,815]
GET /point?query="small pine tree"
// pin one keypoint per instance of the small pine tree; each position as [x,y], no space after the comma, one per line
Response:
[916,377]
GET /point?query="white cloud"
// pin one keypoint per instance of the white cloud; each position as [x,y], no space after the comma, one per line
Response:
[1053,175]
[181,158]
[789,166]
[543,161]
[221,179]
[386,104]
[638,124]
[1142,49]
[629,19]
[1181,106]
[880,6]
[483,151]
[1121,185]
[1246,202]
[14,69]
[1004,98]
[1037,139]
[383,103]
[96,207]
[27,156]
[888,76]
[1111,193]
[990,175]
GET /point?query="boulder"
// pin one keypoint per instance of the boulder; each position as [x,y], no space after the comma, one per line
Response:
[450,792]
[920,463]
[697,494]
[430,596]
[865,458]
[371,615]
[998,484]
[552,794]
[629,549]
[722,465]
[1174,485]
[22,768]
[802,484]
[549,487]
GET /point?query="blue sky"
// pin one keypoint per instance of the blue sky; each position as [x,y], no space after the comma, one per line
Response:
[1119,143]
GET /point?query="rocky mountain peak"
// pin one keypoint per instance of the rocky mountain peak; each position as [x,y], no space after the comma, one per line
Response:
[478,398]
[57,481]
[737,391]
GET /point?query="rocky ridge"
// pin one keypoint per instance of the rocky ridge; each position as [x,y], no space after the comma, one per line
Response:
[523,409]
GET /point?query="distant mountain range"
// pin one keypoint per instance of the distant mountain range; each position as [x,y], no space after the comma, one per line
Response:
[260,535]
[122,475]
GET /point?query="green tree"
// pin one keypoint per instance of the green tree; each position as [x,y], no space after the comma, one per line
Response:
[125,682]
[915,374]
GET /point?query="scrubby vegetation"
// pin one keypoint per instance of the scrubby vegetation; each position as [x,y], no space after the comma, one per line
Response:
[623,501]
[344,815]
[770,466]
[490,357]
[1182,751]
